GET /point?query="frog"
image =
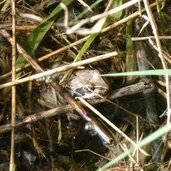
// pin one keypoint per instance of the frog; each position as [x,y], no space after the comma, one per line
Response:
[88,84]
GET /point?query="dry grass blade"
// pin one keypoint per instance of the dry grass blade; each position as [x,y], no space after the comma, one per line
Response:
[13,105]
[86,5]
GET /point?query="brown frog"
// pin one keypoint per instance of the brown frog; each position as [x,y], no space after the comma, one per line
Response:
[87,84]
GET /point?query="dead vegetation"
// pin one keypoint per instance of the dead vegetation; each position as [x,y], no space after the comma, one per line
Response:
[62,107]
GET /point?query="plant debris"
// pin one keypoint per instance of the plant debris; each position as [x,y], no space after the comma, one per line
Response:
[62,106]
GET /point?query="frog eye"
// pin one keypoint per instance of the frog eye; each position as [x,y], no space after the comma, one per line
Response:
[77,94]
[81,92]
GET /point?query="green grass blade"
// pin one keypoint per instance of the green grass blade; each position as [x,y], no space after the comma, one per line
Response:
[39,33]
[158,133]
[81,53]
[131,62]
[116,4]
[85,47]
[146,72]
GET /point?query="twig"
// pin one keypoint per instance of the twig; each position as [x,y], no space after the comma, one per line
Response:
[37,117]
[130,90]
